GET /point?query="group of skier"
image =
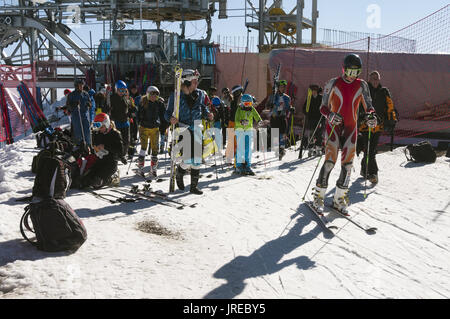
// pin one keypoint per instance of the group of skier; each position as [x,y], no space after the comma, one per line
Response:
[348,113]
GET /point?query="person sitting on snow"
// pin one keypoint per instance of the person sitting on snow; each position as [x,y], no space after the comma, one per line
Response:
[108,147]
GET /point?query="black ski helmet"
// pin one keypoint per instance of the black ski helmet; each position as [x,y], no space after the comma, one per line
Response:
[237,90]
[352,61]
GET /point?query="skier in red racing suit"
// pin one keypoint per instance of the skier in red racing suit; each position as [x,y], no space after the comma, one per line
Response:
[341,99]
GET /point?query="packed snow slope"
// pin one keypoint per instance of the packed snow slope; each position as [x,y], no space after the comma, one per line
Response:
[247,237]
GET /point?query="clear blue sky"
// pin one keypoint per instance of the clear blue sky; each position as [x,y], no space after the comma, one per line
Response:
[346,15]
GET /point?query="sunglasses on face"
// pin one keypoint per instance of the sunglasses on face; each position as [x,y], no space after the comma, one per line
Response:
[154,93]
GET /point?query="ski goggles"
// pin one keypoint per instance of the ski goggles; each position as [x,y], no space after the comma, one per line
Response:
[96,125]
[282,82]
[122,90]
[352,72]
[154,93]
[247,104]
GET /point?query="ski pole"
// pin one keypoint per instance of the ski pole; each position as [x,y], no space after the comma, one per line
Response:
[215,161]
[292,137]
[81,124]
[367,164]
[314,133]
[165,148]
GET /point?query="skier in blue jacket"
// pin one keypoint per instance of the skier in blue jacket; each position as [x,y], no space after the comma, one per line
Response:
[193,108]
[78,105]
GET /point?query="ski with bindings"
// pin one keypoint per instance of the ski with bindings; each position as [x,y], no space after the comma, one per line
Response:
[113,199]
[367,229]
[154,199]
[147,191]
[321,217]
[176,109]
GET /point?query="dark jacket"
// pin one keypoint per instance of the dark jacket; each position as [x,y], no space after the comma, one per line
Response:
[192,107]
[119,108]
[313,114]
[151,114]
[100,102]
[384,109]
[78,97]
[112,141]
[379,99]
[233,108]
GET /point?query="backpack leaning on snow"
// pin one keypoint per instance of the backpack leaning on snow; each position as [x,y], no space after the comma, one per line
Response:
[55,225]
[53,175]
[421,152]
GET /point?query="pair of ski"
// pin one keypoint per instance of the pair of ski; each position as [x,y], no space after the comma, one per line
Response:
[329,226]
[113,199]
[154,196]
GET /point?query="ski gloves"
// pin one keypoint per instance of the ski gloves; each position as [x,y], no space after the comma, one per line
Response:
[334,118]
[371,120]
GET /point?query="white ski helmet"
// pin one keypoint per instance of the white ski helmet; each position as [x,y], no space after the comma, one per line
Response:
[189,75]
[151,89]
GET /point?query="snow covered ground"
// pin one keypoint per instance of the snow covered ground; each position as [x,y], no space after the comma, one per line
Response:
[247,237]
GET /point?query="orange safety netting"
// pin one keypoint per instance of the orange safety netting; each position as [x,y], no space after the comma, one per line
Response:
[414,64]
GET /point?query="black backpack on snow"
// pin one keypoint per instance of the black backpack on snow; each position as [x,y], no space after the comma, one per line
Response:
[53,175]
[421,152]
[55,225]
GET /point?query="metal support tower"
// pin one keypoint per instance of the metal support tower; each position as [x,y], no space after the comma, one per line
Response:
[278,28]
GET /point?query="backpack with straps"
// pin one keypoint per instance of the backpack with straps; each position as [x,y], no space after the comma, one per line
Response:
[55,225]
[421,152]
[53,176]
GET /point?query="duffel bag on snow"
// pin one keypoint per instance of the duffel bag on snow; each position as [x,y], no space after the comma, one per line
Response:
[421,152]
[55,225]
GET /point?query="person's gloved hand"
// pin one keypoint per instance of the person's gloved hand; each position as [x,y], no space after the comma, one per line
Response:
[334,118]
[244,122]
[371,120]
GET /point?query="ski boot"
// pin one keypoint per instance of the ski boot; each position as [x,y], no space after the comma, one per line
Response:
[179,177]
[373,178]
[153,167]
[113,181]
[341,200]
[240,169]
[195,175]
[141,162]
[248,170]
[124,160]
[281,153]
[318,198]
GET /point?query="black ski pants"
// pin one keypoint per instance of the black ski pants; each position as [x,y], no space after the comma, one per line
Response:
[373,149]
